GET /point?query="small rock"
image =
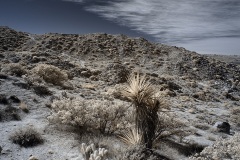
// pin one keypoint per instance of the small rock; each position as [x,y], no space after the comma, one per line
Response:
[86,73]
[32,158]
[3,99]
[93,78]
[154,74]
[3,76]
[192,111]
[50,152]
[223,127]
[14,99]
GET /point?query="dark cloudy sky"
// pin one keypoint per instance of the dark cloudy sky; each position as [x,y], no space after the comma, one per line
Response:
[43,16]
[205,26]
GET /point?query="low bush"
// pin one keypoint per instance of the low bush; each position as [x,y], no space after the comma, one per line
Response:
[14,69]
[26,137]
[41,90]
[50,74]
[168,126]
[222,149]
[140,153]
[235,116]
[91,115]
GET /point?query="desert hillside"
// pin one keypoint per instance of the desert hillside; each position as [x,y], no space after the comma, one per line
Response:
[60,93]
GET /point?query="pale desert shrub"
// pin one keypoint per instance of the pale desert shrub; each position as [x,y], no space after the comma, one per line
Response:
[168,126]
[50,74]
[26,137]
[90,115]
[14,69]
[222,149]
[235,116]
[140,153]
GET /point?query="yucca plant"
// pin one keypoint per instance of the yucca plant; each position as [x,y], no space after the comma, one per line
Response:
[142,94]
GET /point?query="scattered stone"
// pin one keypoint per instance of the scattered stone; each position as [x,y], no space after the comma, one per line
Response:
[86,73]
[3,76]
[232,96]
[14,99]
[173,86]
[224,127]
[93,78]
[3,99]
[192,111]
[32,158]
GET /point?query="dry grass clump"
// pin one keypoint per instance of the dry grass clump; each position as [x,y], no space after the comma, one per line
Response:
[50,74]
[14,69]
[41,90]
[9,113]
[222,149]
[168,126]
[91,115]
[140,153]
[26,137]
[235,115]
[202,126]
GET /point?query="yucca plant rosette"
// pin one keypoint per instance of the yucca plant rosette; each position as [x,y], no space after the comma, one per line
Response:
[142,93]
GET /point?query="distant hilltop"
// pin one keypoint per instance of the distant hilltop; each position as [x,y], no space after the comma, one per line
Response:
[165,59]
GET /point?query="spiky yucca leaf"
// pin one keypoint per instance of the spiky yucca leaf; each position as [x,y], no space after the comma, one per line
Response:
[138,90]
[131,137]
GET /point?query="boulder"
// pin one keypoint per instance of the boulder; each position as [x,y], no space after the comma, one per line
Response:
[223,127]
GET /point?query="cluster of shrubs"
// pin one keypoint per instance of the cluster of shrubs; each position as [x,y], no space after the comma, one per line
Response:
[222,149]
[42,72]
[26,137]
[50,74]
[15,69]
[92,115]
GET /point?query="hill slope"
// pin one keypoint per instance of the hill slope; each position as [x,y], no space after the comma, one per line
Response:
[201,90]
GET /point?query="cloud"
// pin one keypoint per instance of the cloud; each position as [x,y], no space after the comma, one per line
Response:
[173,20]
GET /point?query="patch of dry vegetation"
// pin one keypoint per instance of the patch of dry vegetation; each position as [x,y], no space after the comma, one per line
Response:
[92,115]
[14,69]
[235,115]
[222,149]
[50,74]
[26,137]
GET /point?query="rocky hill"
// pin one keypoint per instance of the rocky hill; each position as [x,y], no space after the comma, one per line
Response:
[202,92]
